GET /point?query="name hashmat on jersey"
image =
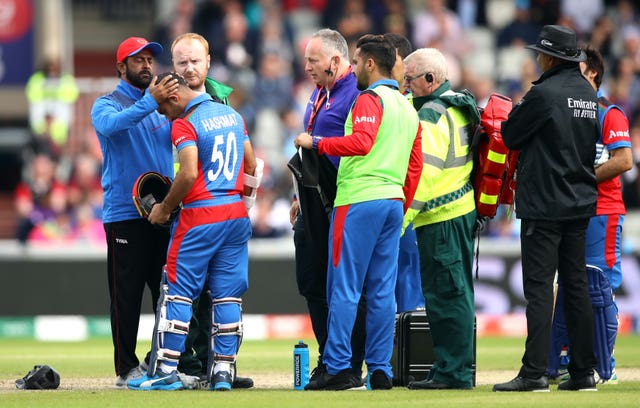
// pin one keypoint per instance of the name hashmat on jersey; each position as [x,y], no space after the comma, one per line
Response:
[219,122]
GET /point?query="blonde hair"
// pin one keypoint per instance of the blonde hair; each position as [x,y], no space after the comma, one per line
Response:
[191,36]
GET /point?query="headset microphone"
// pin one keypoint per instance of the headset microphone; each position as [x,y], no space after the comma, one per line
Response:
[328,72]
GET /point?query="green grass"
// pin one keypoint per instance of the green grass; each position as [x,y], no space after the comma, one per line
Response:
[93,359]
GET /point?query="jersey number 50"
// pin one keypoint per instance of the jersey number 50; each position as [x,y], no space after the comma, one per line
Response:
[224,160]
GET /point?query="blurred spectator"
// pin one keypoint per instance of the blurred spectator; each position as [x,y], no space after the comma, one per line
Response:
[43,143]
[529,72]
[233,42]
[291,6]
[180,22]
[208,17]
[631,179]
[291,120]
[273,83]
[620,83]
[241,101]
[396,18]
[56,229]
[624,14]
[397,24]
[631,50]
[520,32]
[583,14]
[439,27]
[544,12]
[86,228]
[471,12]
[481,88]
[304,16]
[349,17]
[39,198]
[84,187]
[51,95]
[276,35]
[504,224]
[263,219]
[601,37]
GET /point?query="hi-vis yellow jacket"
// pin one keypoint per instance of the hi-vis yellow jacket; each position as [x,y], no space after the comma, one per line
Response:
[445,190]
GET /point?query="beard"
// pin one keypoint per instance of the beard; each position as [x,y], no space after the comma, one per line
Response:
[362,83]
[140,79]
[195,81]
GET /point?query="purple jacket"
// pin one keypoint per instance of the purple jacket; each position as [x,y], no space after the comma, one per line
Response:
[329,121]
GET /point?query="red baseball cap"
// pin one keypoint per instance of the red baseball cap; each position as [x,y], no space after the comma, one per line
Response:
[134,45]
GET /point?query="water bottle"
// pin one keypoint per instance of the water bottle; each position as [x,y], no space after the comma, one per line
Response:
[300,365]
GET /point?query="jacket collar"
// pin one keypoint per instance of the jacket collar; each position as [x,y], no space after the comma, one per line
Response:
[217,89]
[198,99]
[418,101]
[566,66]
[130,90]
[463,100]
[343,79]
[391,83]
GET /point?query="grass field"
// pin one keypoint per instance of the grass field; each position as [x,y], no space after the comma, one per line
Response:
[87,380]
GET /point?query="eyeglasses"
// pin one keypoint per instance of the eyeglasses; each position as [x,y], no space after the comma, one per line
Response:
[408,79]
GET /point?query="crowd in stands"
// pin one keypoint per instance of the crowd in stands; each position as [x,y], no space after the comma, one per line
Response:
[59,197]
[257,48]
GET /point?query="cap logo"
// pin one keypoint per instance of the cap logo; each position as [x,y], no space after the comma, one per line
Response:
[546,43]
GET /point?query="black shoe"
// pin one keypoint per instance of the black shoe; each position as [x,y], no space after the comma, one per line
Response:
[242,382]
[433,385]
[317,372]
[587,383]
[343,380]
[379,381]
[221,381]
[524,384]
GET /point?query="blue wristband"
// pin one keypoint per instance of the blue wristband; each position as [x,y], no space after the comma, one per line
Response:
[315,141]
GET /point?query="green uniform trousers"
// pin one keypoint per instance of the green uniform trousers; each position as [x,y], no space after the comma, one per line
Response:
[446,269]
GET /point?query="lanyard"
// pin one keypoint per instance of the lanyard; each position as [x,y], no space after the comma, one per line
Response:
[320,97]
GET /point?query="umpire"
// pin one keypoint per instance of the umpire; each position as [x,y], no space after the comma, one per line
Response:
[555,127]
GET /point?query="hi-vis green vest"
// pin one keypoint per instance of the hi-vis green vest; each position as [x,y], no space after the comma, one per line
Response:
[41,90]
[445,190]
[381,173]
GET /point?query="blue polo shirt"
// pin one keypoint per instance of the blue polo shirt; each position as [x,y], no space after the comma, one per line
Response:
[134,138]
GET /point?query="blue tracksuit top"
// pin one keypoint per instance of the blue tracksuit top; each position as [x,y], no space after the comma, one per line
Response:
[134,138]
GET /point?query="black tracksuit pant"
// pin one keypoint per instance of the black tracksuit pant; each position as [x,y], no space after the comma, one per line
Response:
[136,252]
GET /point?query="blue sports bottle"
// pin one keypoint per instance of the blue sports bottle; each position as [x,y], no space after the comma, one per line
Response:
[300,365]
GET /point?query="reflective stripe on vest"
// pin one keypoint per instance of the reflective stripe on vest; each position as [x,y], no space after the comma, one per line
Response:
[441,200]
[451,161]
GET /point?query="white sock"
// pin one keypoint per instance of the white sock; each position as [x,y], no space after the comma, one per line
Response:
[221,367]
[166,368]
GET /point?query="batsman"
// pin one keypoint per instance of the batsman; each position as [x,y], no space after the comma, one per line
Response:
[209,237]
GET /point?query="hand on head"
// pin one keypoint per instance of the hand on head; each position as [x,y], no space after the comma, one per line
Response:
[160,90]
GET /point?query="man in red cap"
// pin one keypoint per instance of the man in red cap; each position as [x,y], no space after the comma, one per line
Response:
[134,138]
